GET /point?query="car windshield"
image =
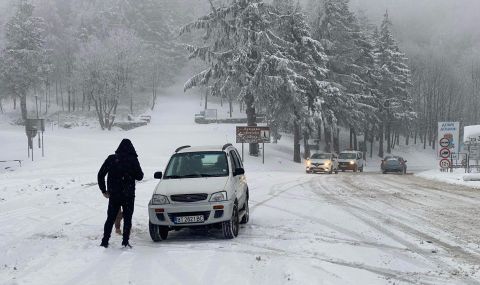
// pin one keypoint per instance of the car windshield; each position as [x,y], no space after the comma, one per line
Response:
[321,156]
[197,164]
[347,155]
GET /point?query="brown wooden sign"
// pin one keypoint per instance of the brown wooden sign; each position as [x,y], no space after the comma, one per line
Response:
[253,134]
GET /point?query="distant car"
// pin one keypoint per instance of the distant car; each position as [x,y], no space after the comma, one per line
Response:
[351,160]
[394,164]
[322,162]
[201,187]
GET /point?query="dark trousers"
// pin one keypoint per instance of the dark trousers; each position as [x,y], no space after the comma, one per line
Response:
[114,204]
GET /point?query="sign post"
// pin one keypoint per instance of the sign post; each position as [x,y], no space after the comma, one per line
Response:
[448,143]
[253,135]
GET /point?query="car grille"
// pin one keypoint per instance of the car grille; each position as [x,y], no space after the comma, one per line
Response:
[189,197]
[205,214]
[317,164]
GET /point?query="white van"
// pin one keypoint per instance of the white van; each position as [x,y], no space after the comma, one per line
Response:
[351,160]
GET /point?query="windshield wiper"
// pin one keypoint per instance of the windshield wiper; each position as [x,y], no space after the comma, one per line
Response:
[173,177]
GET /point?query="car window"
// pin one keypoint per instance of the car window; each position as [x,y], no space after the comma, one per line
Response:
[347,155]
[239,159]
[197,164]
[236,160]
[321,156]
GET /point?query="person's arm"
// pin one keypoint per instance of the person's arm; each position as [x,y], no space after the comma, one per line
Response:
[138,173]
[101,175]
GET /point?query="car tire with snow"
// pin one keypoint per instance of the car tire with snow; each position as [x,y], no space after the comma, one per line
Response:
[230,227]
[246,216]
[157,233]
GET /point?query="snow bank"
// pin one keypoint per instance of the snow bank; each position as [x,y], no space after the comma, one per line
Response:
[458,177]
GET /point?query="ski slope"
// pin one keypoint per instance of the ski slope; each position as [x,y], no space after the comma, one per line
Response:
[350,228]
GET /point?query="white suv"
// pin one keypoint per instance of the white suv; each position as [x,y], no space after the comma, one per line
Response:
[201,187]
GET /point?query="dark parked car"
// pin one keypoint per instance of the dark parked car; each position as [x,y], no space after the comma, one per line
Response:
[394,164]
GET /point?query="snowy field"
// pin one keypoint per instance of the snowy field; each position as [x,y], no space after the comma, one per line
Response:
[362,228]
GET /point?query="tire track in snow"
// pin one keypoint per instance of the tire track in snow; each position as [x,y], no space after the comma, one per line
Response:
[372,218]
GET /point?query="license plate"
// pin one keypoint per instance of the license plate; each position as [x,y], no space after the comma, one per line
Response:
[189,219]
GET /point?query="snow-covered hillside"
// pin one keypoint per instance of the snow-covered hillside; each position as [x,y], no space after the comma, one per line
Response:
[362,228]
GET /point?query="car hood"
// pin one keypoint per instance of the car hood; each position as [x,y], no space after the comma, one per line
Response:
[207,185]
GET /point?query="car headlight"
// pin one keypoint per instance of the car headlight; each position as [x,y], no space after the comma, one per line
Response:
[327,162]
[309,163]
[352,162]
[219,196]
[158,199]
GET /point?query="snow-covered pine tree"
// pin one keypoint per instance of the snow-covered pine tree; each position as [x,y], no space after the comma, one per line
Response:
[297,94]
[24,53]
[394,83]
[349,59]
[238,47]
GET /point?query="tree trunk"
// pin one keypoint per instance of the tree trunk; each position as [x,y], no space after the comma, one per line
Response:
[336,141]
[14,103]
[319,132]
[1,107]
[380,144]
[230,106]
[355,141]
[296,142]
[351,138]
[23,106]
[306,146]
[388,135]
[372,139]
[251,120]
[206,104]
[328,138]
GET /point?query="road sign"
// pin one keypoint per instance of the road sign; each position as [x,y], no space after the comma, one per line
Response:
[445,163]
[448,136]
[445,152]
[444,142]
[253,134]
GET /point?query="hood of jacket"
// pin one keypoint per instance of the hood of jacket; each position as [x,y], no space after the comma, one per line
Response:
[126,148]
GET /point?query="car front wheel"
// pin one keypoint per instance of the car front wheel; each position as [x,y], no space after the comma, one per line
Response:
[230,227]
[157,233]
[246,215]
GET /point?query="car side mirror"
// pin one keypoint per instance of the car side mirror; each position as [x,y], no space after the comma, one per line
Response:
[239,171]
[157,175]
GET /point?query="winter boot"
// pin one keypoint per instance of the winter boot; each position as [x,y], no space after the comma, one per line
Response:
[126,244]
[104,243]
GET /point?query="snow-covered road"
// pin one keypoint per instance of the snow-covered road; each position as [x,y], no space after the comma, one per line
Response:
[305,229]
[350,228]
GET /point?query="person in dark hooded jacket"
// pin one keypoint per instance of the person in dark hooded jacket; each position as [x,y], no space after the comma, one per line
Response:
[123,169]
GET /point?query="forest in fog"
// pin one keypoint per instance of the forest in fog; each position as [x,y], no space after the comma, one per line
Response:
[386,71]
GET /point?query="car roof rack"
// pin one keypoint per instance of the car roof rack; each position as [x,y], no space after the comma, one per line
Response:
[226,145]
[182,147]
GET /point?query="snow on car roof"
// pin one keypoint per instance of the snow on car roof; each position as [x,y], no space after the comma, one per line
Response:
[201,148]
[471,132]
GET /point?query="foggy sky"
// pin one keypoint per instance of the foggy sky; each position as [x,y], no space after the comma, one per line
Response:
[447,24]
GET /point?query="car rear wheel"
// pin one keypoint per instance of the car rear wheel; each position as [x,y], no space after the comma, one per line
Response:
[230,227]
[157,233]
